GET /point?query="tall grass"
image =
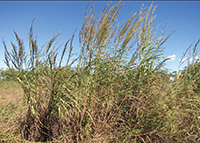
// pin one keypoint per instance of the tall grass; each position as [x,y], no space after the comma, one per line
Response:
[117,92]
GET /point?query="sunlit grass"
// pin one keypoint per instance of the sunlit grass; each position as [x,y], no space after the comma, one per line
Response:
[118,90]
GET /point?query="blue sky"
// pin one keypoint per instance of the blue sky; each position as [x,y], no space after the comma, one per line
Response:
[65,16]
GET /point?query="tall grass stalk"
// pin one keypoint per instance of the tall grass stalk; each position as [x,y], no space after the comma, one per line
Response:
[117,92]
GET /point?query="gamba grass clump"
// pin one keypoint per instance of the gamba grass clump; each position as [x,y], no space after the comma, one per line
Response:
[115,90]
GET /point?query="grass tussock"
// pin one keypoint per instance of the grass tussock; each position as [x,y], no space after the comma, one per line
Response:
[116,90]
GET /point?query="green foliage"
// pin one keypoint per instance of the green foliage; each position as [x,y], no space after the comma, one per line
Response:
[6,75]
[117,91]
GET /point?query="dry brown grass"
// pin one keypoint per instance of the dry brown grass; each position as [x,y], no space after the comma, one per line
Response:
[10,91]
[12,109]
[118,91]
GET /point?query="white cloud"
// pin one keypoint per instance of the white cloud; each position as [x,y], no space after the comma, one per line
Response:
[190,59]
[183,60]
[172,57]
[197,58]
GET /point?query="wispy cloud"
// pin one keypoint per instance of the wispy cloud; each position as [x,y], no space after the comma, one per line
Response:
[172,57]
[183,60]
[197,58]
[190,59]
